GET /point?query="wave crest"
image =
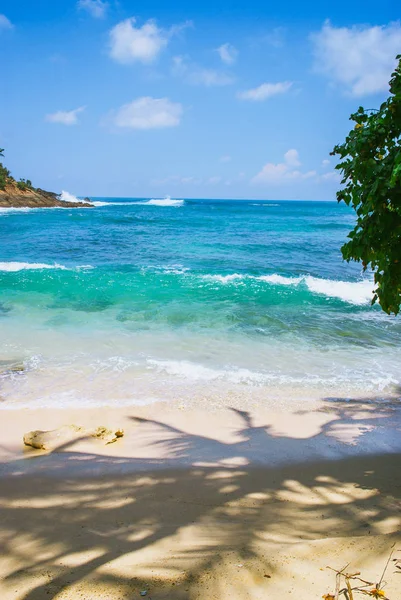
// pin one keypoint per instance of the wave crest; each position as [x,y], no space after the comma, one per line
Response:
[13,267]
[354,292]
[184,369]
[167,201]
[100,203]
[67,197]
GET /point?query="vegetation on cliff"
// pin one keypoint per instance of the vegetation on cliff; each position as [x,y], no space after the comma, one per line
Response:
[19,194]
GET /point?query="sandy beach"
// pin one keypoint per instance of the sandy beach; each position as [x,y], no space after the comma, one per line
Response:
[201,504]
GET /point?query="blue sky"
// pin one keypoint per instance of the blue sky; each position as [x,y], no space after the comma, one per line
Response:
[189,99]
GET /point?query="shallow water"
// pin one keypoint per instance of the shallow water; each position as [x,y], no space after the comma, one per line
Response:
[142,300]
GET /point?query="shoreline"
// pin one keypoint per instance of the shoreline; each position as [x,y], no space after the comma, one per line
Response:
[331,426]
[197,504]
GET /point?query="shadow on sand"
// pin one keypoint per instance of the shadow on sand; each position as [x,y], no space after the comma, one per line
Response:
[211,523]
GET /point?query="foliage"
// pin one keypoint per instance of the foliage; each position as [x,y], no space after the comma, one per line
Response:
[22,185]
[371,168]
[4,176]
[4,173]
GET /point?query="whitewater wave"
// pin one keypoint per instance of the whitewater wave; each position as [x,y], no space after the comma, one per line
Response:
[196,372]
[7,209]
[280,280]
[74,400]
[269,204]
[29,209]
[225,278]
[354,292]
[359,292]
[67,197]
[101,203]
[13,267]
[167,201]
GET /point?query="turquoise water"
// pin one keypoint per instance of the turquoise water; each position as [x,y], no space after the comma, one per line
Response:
[140,300]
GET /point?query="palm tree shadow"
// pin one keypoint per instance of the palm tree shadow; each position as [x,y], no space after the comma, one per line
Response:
[106,521]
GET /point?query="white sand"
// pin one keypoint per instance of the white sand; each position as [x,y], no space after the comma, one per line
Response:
[200,505]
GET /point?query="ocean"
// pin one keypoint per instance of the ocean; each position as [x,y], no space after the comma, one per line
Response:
[199,301]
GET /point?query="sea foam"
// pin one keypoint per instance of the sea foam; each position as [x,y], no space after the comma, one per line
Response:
[225,278]
[167,201]
[188,370]
[100,203]
[67,197]
[358,292]
[354,292]
[13,267]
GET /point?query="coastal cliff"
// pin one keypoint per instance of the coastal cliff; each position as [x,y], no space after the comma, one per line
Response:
[13,196]
[22,194]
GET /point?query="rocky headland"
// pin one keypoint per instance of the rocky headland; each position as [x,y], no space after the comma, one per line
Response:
[22,194]
[13,196]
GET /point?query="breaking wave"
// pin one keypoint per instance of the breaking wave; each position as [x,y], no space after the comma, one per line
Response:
[184,369]
[99,203]
[354,292]
[67,197]
[167,201]
[13,267]
[268,204]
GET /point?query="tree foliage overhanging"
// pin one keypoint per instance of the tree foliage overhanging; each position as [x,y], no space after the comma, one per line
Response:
[370,161]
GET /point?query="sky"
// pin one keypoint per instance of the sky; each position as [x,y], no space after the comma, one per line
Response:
[201,99]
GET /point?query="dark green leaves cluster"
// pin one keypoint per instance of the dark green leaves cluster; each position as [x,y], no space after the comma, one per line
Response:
[5,177]
[24,184]
[370,161]
[4,173]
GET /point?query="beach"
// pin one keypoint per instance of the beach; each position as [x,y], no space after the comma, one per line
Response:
[198,504]
[257,388]
[200,300]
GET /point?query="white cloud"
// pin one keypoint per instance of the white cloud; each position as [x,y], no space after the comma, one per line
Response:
[360,58]
[228,53]
[130,43]
[148,113]
[291,158]
[332,176]
[214,180]
[180,66]
[144,44]
[65,117]
[225,159]
[325,162]
[177,179]
[209,78]
[196,75]
[96,8]
[276,37]
[264,91]
[281,172]
[5,23]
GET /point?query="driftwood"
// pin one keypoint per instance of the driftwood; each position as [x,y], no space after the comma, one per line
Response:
[51,440]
